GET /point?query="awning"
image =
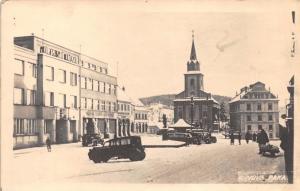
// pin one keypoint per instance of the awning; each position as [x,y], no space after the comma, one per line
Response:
[180,124]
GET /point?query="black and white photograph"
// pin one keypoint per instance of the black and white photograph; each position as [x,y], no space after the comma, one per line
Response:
[142,94]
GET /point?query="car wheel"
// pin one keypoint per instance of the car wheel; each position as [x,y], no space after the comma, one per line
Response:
[272,154]
[137,156]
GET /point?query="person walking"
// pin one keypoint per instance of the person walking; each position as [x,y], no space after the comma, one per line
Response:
[48,143]
[247,137]
[231,138]
[239,137]
[254,136]
[262,139]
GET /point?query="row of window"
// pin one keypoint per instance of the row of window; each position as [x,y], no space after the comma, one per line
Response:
[260,118]
[19,68]
[30,99]
[249,106]
[25,126]
[100,105]
[257,95]
[249,127]
[94,67]
[62,75]
[270,106]
[141,116]
[123,107]
[98,86]
[19,96]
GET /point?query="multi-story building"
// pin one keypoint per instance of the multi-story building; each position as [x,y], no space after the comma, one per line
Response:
[98,97]
[125,113]
[47,93]
[140,117]
[255,107]
[194,105]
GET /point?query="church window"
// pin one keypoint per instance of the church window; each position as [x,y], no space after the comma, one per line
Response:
[192,83]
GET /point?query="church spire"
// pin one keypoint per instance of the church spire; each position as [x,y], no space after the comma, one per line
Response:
[193,50]
[193,64]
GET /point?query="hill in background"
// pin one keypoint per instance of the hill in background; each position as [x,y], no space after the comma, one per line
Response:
[167,99]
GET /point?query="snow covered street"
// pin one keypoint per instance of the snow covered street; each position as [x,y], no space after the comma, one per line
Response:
[206,163]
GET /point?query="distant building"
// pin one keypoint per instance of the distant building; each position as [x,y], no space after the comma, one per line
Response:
[254,107]
[194,105]
[156,112]
[126,112]
[140,117]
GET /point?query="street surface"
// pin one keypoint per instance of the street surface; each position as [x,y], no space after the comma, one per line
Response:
[206,163]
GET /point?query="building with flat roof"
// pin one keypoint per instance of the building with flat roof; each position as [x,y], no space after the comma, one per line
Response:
[59,93]
[255,107]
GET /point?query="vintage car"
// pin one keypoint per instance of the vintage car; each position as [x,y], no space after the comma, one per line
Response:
[199,135]
[123,147]
[272,149]
[178,136]
[164,131]
[208,138]
[91,139]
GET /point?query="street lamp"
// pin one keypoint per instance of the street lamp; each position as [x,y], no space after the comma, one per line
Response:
[192,112]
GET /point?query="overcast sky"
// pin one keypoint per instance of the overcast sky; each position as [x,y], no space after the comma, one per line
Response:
[151,41]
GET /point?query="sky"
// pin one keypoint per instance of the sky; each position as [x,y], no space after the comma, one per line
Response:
[147,43]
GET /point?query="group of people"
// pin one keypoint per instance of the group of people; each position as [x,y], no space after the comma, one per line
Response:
[261,138]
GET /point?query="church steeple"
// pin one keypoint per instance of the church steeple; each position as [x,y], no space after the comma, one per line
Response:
[193,50]
[193,64]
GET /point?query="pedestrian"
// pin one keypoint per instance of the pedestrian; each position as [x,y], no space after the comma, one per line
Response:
[48,143]
[247,137]
[262,139]
[231,138]
[239,137]
[254,136]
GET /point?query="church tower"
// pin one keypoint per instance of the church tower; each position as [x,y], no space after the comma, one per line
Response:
[193,77]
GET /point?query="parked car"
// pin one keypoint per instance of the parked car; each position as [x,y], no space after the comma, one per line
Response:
[208,138]
[123,147]
[91,139]
[178,136]
[199,135]
[164,130]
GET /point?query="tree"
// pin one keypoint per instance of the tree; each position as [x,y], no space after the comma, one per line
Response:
[164,120]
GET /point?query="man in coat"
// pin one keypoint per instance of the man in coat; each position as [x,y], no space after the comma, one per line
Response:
[262,139]
[254,137]
[48,143]
[231,138]
[247,137]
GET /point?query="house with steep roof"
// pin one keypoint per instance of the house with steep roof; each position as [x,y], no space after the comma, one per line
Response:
[254,107]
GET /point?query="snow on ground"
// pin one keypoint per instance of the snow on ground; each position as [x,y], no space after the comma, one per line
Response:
[207,163]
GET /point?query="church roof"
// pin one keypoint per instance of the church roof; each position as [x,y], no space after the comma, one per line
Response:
[193,52]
